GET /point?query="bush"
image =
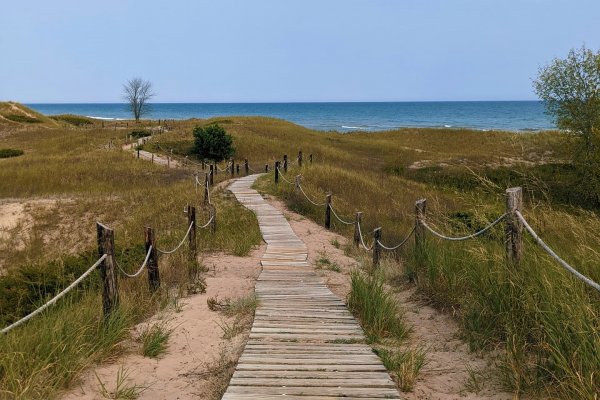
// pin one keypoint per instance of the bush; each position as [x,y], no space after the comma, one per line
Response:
[72,119]
[7,153]
[22,118]
[212,142]
[140,134]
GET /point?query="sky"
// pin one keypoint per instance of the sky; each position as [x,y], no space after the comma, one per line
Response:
[72,51]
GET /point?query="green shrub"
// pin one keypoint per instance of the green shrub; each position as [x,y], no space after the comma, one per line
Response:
[22,118]
[72,119]
[7,153]
[212,142]
[140,134]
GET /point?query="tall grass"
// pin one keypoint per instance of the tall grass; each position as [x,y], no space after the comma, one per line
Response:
[68,179]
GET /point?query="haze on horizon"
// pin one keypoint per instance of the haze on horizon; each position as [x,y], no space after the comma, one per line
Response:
[68,51]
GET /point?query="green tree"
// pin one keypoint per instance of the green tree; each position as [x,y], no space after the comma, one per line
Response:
[570,90]
[212,142]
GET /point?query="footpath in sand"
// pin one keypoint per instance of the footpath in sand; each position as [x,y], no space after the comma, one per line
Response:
[304,343]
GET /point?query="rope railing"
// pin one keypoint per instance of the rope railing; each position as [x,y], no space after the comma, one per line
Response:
[208,223]
[180,243]
[139,271]
[208,193]
[308,198]
[551,252]
[461,238]
[55,298]
[283,177]
[338,217]
[391,248]
[362,240]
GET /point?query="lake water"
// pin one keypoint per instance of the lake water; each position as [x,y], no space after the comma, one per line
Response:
[344,117]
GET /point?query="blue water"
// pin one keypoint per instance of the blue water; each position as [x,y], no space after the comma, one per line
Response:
[344,117]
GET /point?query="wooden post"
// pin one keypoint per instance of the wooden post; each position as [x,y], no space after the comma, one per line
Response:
[211,176]
[285,163]
[310,158]
[276,171]
[213,215]
[376,247]
[266,167]
[168,162]
[357,220]
[215,169]
[108,273]
[152,158]
[237,169]
[153,274]
[420,208]
[297,185]
[191,213]
[246,167]
[514,227]
[203,165]
[328,211]
[232,166]
[300,158]
[138,150]
[206,183]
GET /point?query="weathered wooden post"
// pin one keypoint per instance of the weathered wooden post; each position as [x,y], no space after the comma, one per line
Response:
[168,162]
[215,169]
[213,216]
[206,183]
[203,165]
[420,208]
[276,172]
[108,272]
[237,169]
[211,176]
[191,213]
[328,211]
[152,266]
[138,150]
[310,158]
[232,167]
[300,158]
[246,167]
[266,167]
[376,247]
[357,219]
[297,184]
[285,163]
[514,227]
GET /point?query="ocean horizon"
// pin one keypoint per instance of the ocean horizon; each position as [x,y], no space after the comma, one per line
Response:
[340,116]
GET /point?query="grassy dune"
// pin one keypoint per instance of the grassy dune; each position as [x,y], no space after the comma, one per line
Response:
[69,178]
[544,324]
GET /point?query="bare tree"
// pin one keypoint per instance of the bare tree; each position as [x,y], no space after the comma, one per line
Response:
[137,92]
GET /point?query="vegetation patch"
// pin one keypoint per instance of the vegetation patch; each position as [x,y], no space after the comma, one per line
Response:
[8,153]
[75,120]
[25,119]
[154,339]
[404,365]
[140,134]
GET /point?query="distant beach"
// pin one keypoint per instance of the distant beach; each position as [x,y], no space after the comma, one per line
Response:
[343,117]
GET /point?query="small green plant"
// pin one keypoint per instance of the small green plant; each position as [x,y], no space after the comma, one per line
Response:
[474,381]
[325,262]
[123,390]
[212,142]
[335,243]
[7,153]
[154,340]
[375,307]
[403,365]
[231,330]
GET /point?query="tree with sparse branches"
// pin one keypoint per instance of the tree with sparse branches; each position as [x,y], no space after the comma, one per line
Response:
[137,92]
[570,90]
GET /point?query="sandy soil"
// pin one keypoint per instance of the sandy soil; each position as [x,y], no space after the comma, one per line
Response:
[450,365]
[195,346]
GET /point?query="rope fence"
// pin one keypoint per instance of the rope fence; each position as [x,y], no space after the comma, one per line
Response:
[139,270]
[180,243]
[462,238]
[57,297]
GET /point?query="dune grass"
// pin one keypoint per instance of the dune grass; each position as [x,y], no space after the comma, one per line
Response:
[68,179]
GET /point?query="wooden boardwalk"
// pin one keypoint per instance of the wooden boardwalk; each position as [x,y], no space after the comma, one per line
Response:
[304,343]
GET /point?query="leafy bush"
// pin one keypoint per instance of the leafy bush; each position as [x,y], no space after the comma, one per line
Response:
[140,134]
[7,153]
[212,142]
[72,119]
[22,118]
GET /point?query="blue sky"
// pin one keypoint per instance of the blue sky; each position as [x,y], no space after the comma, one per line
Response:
[286,50]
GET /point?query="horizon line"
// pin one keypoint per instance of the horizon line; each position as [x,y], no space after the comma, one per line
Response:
[295,102]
